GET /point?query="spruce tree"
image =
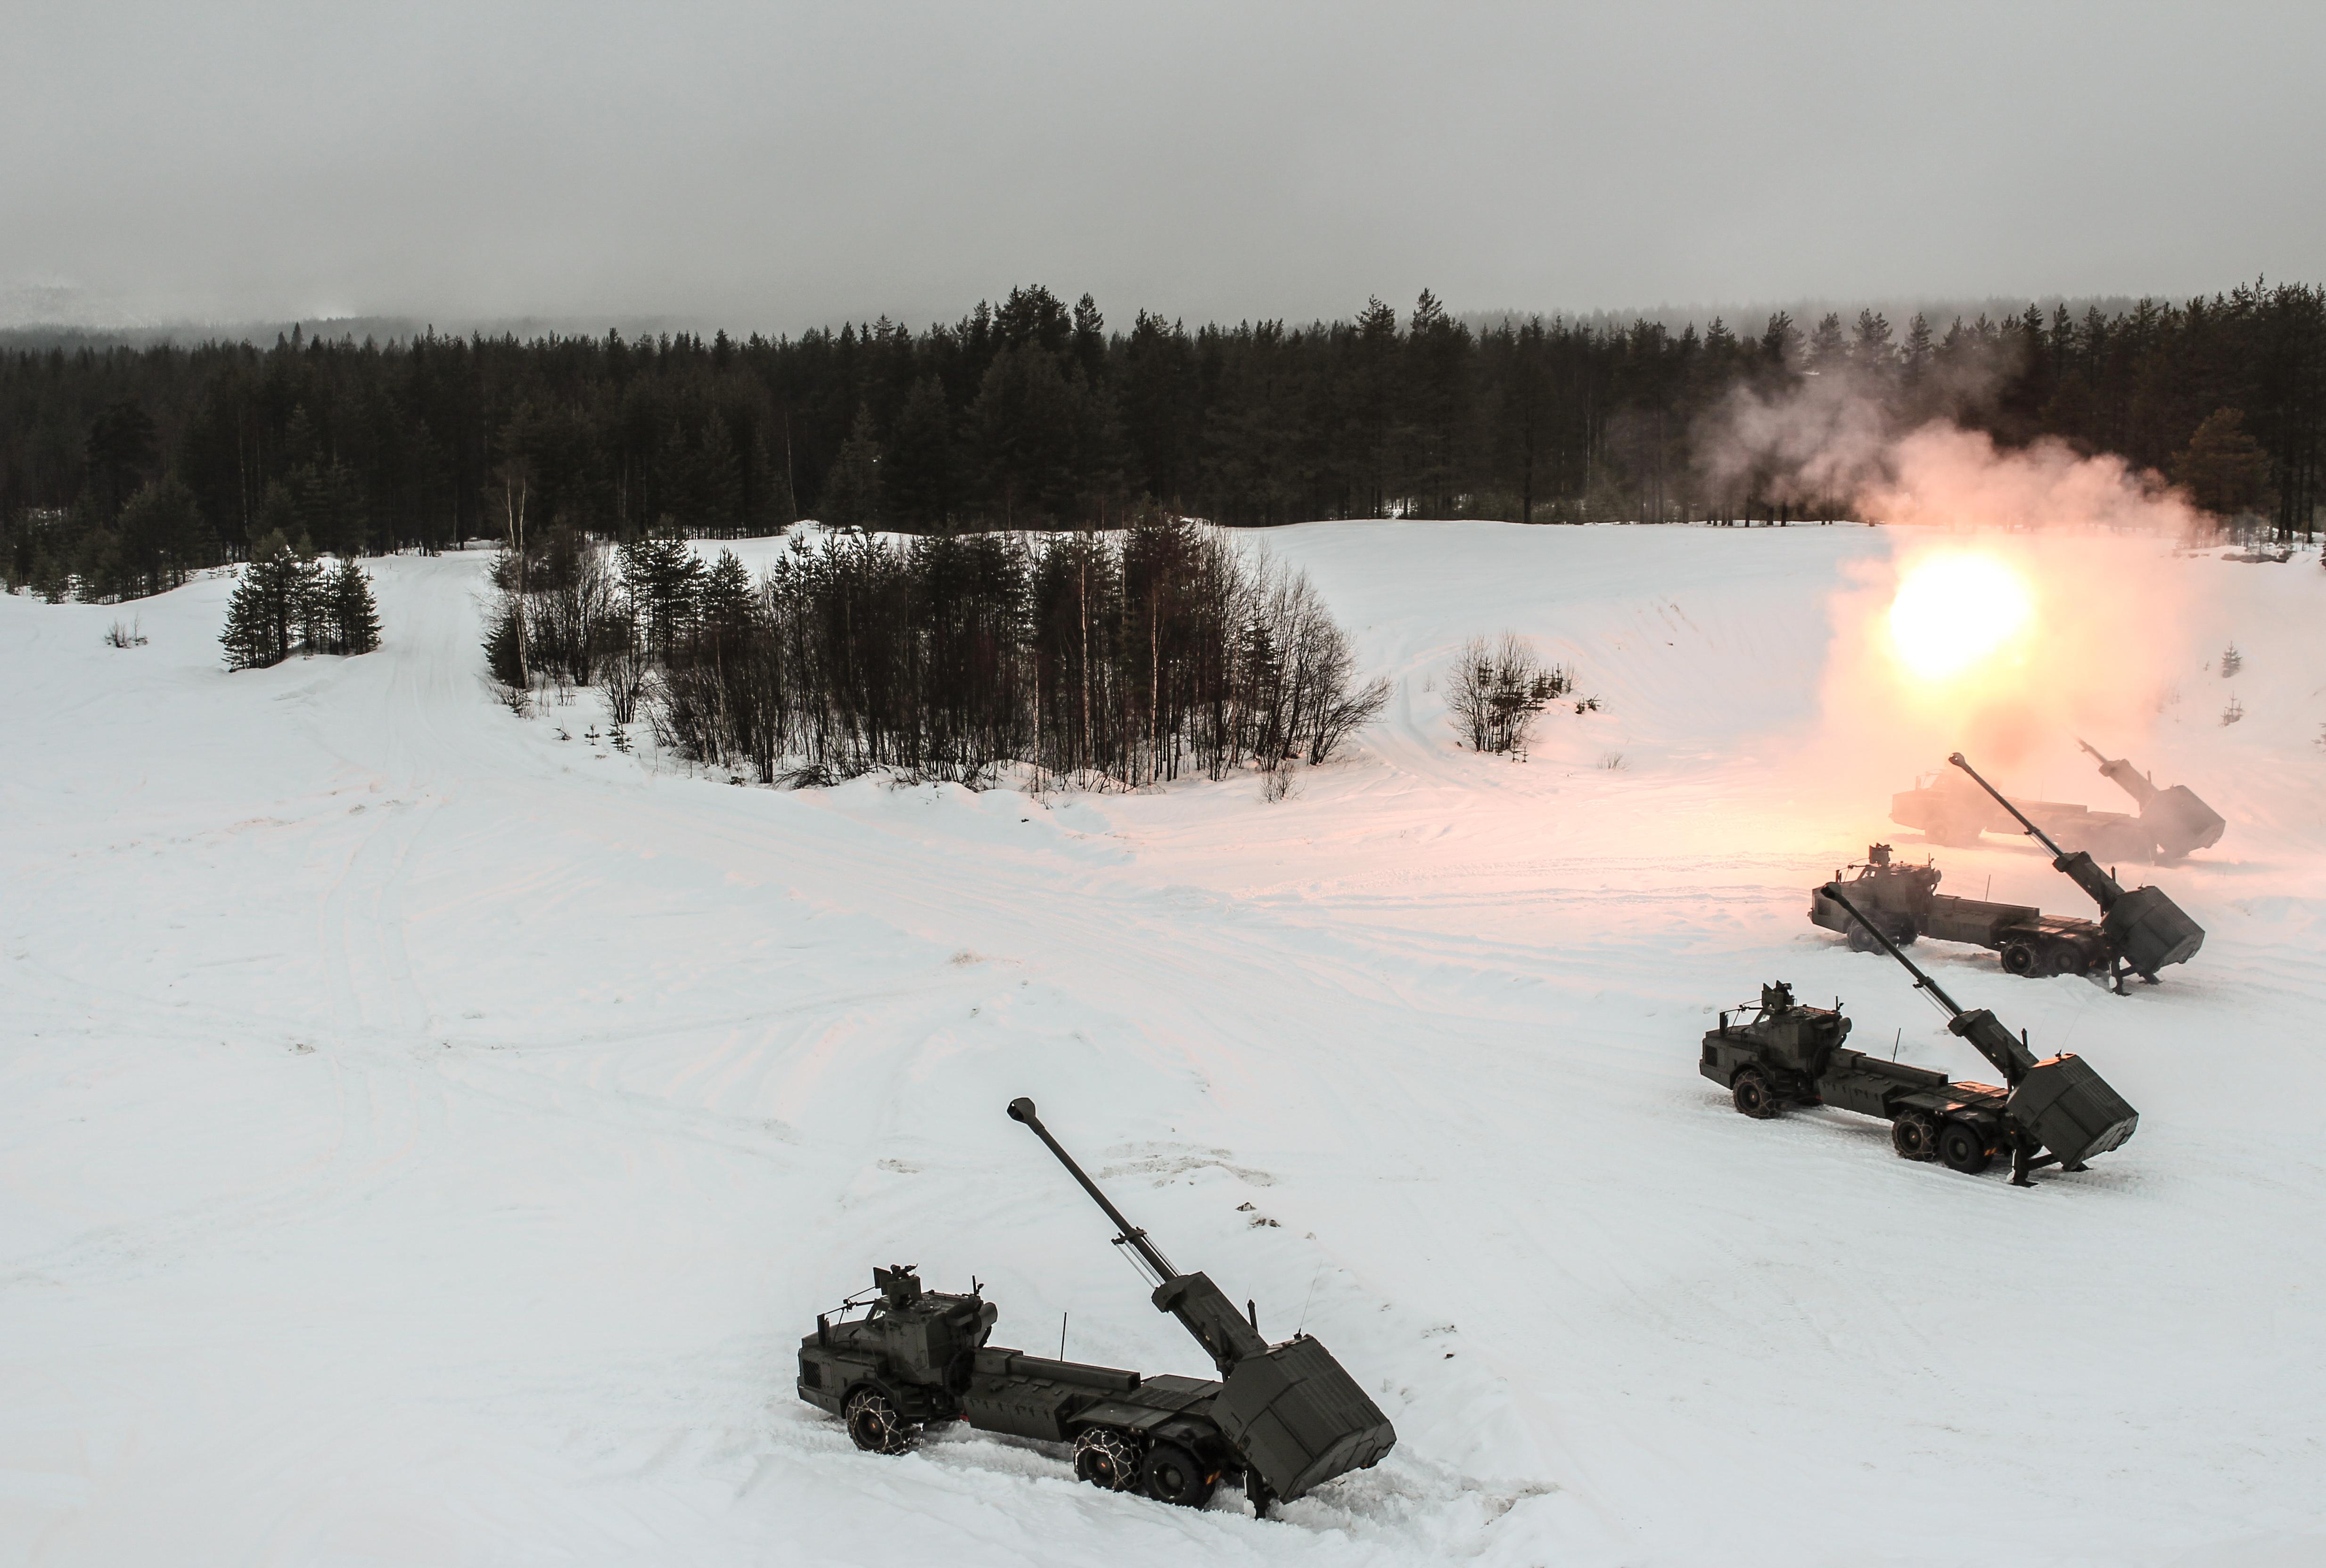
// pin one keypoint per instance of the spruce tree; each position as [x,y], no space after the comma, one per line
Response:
[852,493]
[264,617]
[353,613]
[727,596]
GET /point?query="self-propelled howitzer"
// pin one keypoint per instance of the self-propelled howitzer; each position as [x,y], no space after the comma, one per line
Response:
[1282,1419]
[2145,930]
[2054,1103]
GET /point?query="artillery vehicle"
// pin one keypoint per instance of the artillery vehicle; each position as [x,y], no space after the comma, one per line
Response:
[1903,901]
[2145,930]
[1950,811]
[1280,1418]
[2172,822]
[1787,1053]
[2175,818]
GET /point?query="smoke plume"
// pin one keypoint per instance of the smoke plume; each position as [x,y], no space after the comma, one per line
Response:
[2091,540]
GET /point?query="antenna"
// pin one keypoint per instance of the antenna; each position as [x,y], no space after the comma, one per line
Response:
[1312,1296]
[1896,1040]
[1062,1336]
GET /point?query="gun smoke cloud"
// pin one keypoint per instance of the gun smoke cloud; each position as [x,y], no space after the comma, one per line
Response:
[2030,594]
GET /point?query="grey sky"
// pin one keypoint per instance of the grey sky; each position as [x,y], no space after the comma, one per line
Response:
[776,166]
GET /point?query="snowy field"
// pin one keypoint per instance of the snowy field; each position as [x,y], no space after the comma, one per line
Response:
[424,1137]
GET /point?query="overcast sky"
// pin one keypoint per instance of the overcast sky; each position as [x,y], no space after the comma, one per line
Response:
[776,166]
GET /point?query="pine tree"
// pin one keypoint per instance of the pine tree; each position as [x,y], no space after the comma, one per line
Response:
[264,617]
[2225,470]
[353,614]
[918,477]
[727,596]
[852,495]
[663,579]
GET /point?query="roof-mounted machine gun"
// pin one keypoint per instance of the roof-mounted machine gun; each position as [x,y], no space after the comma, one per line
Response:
[2178,820]
[2056,1102]
[2145,930]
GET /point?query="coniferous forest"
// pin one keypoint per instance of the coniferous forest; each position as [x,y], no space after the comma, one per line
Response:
[121,468]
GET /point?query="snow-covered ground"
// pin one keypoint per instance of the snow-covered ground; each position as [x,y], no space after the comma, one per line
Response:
[424,1134]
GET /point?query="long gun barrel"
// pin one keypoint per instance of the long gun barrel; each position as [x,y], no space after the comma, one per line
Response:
[2123,775]
[1200,1306]
[1987,1036]
[2104,888]
[2147,929]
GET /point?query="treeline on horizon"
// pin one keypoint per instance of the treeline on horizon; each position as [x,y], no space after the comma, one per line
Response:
[1035,414]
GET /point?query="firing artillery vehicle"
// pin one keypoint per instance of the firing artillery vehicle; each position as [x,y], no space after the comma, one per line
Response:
[2175,818]
[2172,822]
[1283,1418]
[1949,810]
[2145,930]
[1905,903]
[1787,1053]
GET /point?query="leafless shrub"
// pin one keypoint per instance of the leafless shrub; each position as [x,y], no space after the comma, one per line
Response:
[131,635]
[2233,712]
[1612,760]
[623,674]
[1497,687]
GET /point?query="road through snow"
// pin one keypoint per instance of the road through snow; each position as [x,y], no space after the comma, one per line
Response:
[424,1132]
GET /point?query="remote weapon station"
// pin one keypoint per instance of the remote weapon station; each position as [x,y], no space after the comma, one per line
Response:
[1904,902]
[2145,930]
[1790,1055]
[1283,1418]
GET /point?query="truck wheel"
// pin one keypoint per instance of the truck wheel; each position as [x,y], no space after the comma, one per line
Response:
[1107,1459]
[1915,1136]
[2068,960]
[1860,938]
[1750,1090]
[874,1424]
[1963,1148]
[2018,958]
[1173,1476]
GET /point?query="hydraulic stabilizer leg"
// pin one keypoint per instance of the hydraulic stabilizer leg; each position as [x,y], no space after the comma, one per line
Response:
[2023,1163]
[1256,1492]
